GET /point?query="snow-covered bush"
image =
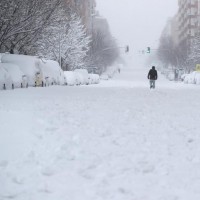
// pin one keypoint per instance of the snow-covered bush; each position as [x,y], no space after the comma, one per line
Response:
[22,22]
[171,76]
[17,77]
[5,79]
[29,65]
[84,74]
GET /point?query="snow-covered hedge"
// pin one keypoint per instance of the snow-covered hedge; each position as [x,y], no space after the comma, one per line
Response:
[70,78]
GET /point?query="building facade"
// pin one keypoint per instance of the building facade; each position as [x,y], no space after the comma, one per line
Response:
[188,20]
[86,10]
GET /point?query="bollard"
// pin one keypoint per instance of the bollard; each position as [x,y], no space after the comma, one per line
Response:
[4,86]
[13,87]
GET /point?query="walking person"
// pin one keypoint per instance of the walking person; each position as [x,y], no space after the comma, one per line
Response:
[152,76]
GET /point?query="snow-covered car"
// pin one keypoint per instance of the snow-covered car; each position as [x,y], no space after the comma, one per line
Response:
[183,77]
[84,74]
[94,78]
[190,78]
[111,71]
[79,78]
[27,64]
[17,77]
[104,76]
[197,78]
[5,79]
[70,78]
[171,76]
[51,72]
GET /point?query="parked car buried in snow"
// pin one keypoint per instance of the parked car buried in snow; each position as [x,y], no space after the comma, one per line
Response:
[5,79]
[51,72]
[27,64]
[94,78]
[190,78]
[104,76]
[18,78]
[84,74]
[197,78]
[70,78]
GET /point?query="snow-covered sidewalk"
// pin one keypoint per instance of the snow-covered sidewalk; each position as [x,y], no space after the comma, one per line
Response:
[117,140]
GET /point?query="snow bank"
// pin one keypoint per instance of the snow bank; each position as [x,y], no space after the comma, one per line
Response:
[27,64]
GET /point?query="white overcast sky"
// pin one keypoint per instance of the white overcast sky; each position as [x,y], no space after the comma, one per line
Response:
[138,23]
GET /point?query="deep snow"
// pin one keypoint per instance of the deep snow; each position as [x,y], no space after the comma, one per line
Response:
[116,140]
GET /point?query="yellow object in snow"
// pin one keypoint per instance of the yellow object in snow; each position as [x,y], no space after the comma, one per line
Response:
[198,67]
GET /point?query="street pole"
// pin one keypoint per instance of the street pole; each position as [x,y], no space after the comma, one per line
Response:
[60,50]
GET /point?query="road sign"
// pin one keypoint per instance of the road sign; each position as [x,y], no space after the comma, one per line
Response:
[148,50]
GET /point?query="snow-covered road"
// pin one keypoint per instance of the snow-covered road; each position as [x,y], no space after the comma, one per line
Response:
[114,141]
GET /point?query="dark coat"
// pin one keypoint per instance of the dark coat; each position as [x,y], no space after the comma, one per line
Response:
[152,75]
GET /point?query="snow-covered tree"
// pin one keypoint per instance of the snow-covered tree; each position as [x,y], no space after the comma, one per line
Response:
[65,38]
[77,43]
[21,22]
[52,43]
[104,49]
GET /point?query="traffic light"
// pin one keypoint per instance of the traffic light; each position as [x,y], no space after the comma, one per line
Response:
[148,50]
[127,49]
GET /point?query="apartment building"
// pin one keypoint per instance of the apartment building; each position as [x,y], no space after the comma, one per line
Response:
[188,20]
[86,10]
